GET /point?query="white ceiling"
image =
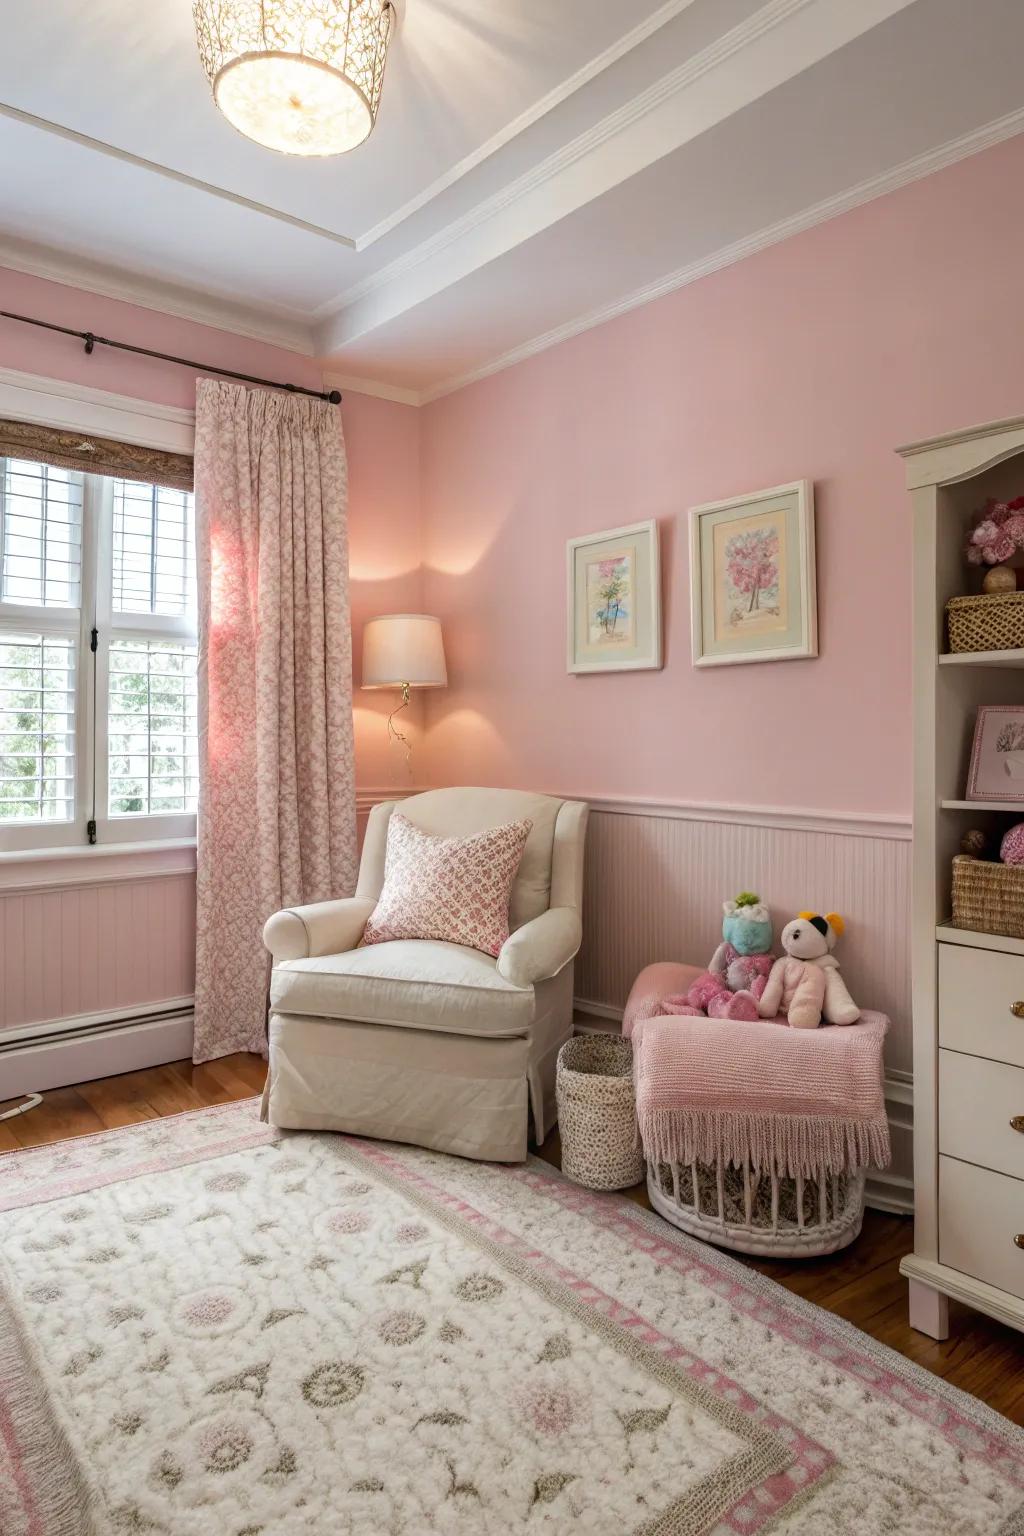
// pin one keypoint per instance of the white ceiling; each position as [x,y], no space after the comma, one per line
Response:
[536,166]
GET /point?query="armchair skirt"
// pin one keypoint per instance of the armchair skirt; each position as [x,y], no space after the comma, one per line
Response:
[470,1094]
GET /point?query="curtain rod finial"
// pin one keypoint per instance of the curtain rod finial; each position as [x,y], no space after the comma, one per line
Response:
[334,397]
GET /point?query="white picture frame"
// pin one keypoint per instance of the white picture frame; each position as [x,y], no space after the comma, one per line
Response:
[613,600]
[996,769]
[734,545]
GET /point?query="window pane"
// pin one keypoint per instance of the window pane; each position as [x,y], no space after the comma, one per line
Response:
[40,534]
[152,728]
[37,728]
[154,552]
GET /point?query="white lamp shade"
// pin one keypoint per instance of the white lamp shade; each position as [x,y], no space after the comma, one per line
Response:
[404,648]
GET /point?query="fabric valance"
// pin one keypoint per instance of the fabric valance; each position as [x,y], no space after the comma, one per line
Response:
[95,455]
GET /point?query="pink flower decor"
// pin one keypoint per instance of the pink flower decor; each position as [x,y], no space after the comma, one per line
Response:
[1011,849]
[997,534]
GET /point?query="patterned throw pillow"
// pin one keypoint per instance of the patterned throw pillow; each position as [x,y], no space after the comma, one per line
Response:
[451,888]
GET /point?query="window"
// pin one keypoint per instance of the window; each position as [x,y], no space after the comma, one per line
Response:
[98,712]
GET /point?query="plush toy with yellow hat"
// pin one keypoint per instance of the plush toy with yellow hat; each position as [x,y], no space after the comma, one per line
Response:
[805,983]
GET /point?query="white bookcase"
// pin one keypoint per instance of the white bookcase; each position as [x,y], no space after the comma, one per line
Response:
[968,988]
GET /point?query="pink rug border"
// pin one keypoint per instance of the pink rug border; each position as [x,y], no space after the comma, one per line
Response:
[806,1325]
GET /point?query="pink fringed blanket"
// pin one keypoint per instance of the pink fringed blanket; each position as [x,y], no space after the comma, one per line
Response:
[792,1100]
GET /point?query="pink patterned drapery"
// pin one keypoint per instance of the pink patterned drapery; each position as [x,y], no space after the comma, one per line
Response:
[276,773]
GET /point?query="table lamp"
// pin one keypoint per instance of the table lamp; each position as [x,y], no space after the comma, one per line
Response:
[405,651]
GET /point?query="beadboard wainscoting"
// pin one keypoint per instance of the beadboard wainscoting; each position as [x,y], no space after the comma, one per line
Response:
[97,959]
[97,955]
[656,877]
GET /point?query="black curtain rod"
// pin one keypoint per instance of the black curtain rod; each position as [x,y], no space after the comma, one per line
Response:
[332,396]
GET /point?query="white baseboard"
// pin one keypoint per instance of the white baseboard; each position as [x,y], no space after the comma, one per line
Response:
[57,1059]
[599,1010]
[889,1192]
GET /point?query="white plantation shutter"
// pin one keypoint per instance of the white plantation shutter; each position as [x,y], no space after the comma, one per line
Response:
[154,550]
[37,728]
[41,520]
[40,535]
[98,715]
[152,728]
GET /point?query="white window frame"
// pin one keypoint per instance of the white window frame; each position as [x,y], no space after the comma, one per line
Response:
[69,407]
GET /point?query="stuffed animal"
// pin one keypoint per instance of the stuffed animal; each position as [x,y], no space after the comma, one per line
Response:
[740,966]
[805,983]
[709,994]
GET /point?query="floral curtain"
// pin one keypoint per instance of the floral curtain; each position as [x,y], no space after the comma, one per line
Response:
[276,775]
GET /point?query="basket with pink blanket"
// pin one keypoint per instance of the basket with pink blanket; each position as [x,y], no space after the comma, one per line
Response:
[757,1134]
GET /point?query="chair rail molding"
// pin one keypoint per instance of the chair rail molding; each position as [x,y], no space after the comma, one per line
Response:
[780,817]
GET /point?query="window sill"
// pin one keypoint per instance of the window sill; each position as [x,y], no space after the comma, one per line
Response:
[43,869]
[91,850]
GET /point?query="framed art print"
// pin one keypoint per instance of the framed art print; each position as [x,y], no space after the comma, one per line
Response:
[997,755]
[614,600]
[752,577]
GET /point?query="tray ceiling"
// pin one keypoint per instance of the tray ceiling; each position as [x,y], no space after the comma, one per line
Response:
[534,167]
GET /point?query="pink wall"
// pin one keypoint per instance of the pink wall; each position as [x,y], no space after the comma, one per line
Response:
[812,359]
[382,440]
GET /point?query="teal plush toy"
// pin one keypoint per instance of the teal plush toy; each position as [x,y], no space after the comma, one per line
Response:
[739,969]
[746,930]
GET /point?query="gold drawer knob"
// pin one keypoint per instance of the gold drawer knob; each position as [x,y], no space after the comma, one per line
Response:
[1017,1009]
[1017,1124]
[1019,1239]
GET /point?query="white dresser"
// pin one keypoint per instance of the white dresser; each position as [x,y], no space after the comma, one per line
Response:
[968,987]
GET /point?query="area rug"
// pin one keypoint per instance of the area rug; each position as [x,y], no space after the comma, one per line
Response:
[213,1329]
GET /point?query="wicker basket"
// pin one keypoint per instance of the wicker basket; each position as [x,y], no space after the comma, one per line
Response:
[993,622]
[988,897]
[597,1113]
[763,1213]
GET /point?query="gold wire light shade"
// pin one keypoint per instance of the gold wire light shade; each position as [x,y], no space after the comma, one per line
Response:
[300,76]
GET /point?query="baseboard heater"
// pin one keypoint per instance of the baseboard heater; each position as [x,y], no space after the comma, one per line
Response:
[58,1052]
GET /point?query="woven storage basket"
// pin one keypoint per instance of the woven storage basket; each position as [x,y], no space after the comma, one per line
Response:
[988,897]
[993,622]
[796,1218]
[597,1113]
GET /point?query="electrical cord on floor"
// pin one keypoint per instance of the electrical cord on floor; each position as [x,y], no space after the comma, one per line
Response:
[19,1109]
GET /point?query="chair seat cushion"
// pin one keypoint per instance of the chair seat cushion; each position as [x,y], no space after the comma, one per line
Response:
[415,983]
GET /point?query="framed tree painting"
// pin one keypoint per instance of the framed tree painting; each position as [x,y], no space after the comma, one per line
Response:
[614,600]
[752,577]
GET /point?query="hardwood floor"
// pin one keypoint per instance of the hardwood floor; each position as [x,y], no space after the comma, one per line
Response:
[862,1285]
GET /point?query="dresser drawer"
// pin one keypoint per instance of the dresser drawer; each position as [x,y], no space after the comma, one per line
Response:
[977,990]
[979,1214]
[977,1101]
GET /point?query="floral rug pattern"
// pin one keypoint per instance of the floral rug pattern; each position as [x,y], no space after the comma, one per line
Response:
[208,1328]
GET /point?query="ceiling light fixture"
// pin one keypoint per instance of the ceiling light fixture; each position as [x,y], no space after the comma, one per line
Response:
[300,76]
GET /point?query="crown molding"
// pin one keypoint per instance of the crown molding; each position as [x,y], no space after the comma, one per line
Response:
[375,387]
[916,169]
[554,98]
[677,81]
[289,333]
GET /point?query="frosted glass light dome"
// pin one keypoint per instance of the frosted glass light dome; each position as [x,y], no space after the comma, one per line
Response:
[303,77]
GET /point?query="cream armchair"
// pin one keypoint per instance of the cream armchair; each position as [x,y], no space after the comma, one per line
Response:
[424,1042]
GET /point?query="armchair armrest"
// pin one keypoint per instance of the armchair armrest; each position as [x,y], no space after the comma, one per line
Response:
[541,948]
[325,928]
